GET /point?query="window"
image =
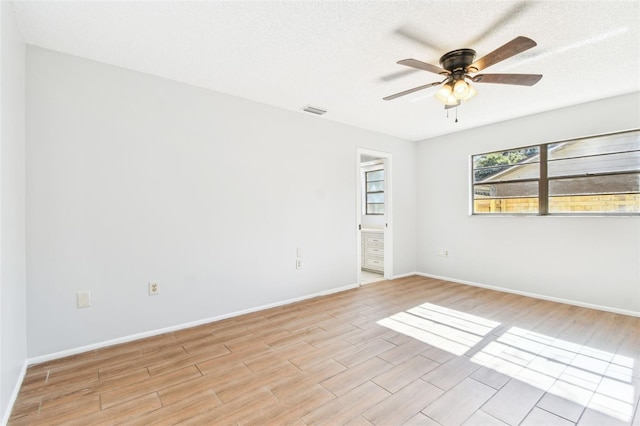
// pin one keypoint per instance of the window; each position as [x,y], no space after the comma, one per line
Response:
[594,175]
[374,192]
[507,182]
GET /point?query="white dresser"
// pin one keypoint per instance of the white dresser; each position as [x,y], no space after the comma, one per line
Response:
[373,250]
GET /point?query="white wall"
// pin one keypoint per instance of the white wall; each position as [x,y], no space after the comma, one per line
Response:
[12,207]
[588,260]
[133,178]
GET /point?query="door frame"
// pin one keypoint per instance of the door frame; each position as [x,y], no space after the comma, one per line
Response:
[388,211]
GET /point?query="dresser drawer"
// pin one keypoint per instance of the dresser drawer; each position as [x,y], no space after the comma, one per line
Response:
[374,264]
[374,251]
[373,239]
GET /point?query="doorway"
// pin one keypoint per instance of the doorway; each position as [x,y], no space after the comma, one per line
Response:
[374,229]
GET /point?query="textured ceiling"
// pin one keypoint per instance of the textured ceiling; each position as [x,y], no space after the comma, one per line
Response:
[341,55]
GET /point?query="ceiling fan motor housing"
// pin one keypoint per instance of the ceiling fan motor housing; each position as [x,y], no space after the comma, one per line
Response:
[458,60]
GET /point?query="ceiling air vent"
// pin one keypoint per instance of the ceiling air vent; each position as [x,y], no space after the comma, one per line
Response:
[314,110]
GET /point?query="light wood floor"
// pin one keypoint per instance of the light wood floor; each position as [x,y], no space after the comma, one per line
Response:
[368,277]
[410,351]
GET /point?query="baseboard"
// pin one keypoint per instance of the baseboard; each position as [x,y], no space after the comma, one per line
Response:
[408,274]
[14,394]
[49,357]
[535,295]
[323,293]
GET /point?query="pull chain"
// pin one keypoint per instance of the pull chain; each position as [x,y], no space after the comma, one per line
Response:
[456,114]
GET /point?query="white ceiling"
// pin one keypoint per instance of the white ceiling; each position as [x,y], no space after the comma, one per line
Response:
[341,55]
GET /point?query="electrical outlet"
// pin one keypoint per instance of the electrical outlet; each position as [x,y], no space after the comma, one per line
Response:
[443,252]
[154,288]
[83,299]
[298,263]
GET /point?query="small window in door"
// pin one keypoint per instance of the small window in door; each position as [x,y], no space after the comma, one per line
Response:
[374,182]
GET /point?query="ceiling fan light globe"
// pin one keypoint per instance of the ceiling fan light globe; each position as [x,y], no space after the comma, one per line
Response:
[461,89]
[471,94]
[452,100]
[444,93]
[446,90]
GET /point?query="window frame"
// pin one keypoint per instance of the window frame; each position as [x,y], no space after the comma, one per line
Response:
[544,179]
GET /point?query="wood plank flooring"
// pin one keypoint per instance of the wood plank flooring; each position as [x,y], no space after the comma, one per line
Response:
[414,351]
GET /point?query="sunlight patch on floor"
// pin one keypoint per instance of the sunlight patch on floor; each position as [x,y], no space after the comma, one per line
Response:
[450,330]
[588,376]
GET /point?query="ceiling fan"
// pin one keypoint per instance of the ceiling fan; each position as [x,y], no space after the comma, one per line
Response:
[458,66]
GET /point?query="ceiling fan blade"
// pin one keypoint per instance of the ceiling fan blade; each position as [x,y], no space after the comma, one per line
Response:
[415,89]
[517,79]
[414,63]
[512,48]
[405,32]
